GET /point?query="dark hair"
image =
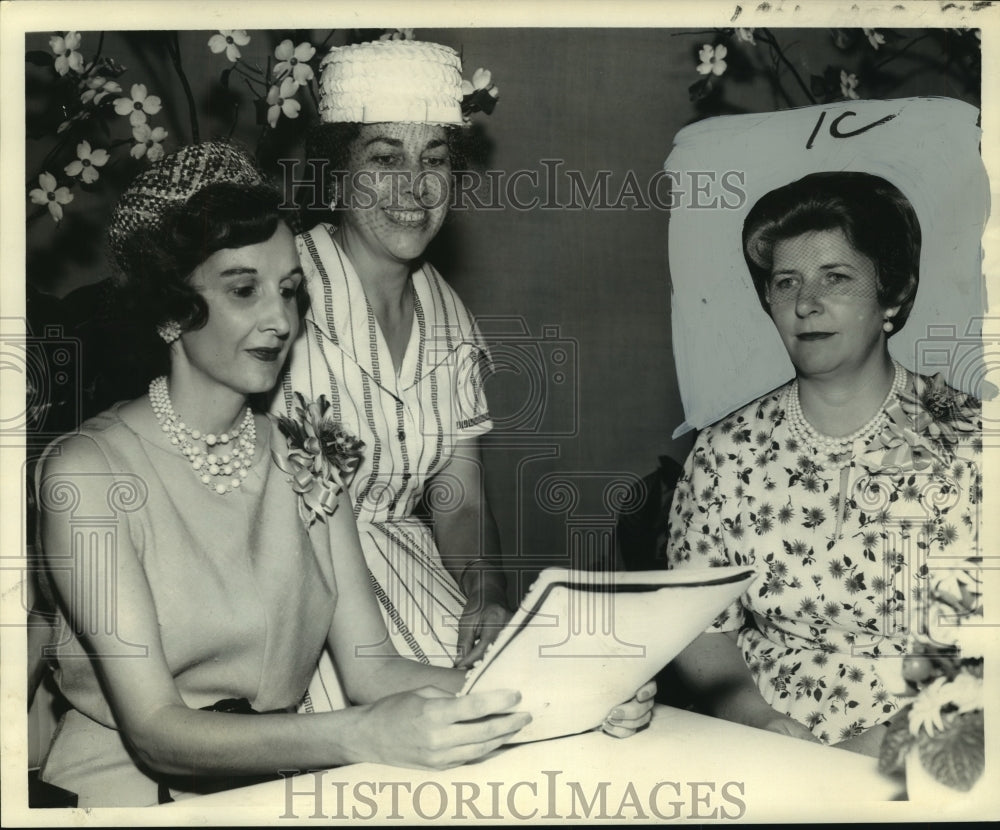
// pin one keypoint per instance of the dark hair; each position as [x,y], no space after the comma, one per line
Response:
[874,215]
[332,143]
[155,266]
[158,263]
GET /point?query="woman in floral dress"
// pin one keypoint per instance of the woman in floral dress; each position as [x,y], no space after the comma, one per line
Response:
[853,489]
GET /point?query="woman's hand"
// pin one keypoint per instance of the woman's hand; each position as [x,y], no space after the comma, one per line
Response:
[628,718]
[433,729]
[784,725]
[478,627]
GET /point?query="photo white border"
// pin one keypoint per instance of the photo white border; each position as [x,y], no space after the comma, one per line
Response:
[16,18]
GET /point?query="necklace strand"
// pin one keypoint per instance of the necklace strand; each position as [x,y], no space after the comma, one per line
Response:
[217,466]
[805,433]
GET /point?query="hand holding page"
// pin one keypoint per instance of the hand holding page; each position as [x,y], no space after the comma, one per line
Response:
[582,642]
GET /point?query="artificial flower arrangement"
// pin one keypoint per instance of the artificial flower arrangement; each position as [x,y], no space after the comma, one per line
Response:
[739,54]
[101,111]
[321,457]
[942,726]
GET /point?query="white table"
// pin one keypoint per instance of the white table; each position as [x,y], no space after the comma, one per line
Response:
[684,767]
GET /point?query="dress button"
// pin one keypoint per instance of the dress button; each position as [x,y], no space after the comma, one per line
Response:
[401,435]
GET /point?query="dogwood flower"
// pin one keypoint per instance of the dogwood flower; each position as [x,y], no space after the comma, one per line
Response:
[712,59]
[397,34]
[848,84]
[86,162]
[282,100]
[746,35]
[138,106]
[229,41]
[64,48]
[50,195]
[875,38]
[148,142]
[294,59]
[98,88]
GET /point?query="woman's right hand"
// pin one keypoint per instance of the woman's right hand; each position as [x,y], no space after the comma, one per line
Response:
[784,725]
[432,729]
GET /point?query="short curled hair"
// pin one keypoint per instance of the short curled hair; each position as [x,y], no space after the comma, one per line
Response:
[331,143]
[874,215]
[156,264]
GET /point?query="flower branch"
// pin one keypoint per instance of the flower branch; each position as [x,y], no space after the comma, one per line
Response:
[768,37]
[174,48]
[736,47]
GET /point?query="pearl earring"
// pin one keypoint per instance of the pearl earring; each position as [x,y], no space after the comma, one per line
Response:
[169,331]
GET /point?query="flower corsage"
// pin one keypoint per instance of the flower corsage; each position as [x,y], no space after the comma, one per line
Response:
[321,457]
[927,423]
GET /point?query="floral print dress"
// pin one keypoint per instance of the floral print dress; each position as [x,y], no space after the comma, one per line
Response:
[846,546]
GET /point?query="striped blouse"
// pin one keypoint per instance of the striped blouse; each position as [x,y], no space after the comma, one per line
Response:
[410,422]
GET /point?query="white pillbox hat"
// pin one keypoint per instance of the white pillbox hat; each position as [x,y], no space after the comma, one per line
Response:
[391,80]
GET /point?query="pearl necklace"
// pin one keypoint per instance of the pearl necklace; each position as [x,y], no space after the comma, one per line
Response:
[219,470]
[805,433]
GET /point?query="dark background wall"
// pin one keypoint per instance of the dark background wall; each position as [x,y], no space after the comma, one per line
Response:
[576,301]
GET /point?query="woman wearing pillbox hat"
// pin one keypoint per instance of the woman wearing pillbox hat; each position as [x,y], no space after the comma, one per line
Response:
[396,348]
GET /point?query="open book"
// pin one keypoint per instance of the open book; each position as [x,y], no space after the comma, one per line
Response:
[582,642]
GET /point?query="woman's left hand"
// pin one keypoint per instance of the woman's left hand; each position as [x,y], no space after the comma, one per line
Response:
[628,718]
[478,627]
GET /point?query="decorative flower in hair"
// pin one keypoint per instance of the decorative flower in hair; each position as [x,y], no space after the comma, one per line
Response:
[138,106]
[86,162]
[229,41]
[64,48]
[295,60]
[50,195]
[148,142]
[281,100]
[712,59]
[321,457]
[480,94]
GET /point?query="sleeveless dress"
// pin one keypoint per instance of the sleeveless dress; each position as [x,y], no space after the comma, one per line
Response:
[409,423]
[847,553]
[243,602]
